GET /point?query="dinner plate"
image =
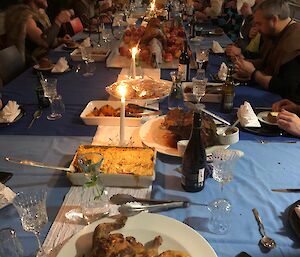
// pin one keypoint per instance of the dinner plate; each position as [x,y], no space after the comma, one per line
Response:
[37,67]
[144,227]
[263,117]
[293,219]
[22,113]
[154,136]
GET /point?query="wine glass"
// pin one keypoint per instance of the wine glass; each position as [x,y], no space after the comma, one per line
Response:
[50,91]
[86,56]
[175,99]
[202,58]
[31,206]
[117,29]
[199,85]
[105,33]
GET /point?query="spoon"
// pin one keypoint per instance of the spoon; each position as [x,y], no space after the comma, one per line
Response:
[265,240]
[37,114]
[284,142]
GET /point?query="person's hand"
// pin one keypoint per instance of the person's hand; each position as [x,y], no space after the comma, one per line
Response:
[243,67]
[63,17]
[253,32]
[286,105]
[289,122]
[232,50]
[246,10]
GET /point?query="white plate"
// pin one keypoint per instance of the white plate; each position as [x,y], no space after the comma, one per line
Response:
[144,227]
[150,136]
[37,67]
[263,117]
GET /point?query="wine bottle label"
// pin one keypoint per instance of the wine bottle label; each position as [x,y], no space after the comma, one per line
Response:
[183,69]
[201,175]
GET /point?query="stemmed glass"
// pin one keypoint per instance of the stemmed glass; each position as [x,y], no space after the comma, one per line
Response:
[50,91]
[105,33]
[117,29]
[175,99]
[86,56]
[31,206]
[224,162]
[202,58]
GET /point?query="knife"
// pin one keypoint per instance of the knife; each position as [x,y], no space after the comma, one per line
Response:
[287,190]
[135,106]
[215,116]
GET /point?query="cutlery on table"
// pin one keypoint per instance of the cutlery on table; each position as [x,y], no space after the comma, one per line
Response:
[120,199]
[282,142]
[37,114]
[129,210]
[265,240]
[215,116]
[286,190]
[36,164]
[135,106]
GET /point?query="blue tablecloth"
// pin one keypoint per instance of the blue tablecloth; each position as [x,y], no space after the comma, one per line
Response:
[263,167]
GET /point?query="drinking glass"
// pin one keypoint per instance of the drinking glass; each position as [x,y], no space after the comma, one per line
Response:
[105,33]
[202,58]
[94,198]
[199,85]
[175,99]
[220,216]
[10,244]
[86,56]
[50,91]
[117,29]
[31,206]
[58,105]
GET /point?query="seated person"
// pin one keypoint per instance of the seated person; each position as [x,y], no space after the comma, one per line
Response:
[91,13]
[278,68]
[29,23]
[203,10]
[288,117]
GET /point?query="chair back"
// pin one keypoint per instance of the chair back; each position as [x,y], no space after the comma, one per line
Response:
[11,64]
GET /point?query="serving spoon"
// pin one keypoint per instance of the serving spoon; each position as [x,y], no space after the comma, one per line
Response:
[265,240]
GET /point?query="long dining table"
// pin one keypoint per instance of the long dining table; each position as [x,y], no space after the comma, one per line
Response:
[263,167]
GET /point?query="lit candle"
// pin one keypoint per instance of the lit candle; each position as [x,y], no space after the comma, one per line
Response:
[122,91]
[152,6]
[134,51]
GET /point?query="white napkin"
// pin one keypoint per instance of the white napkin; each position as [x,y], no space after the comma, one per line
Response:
[217,48]
[297,210]
[222,73]
[9,112]
[61,65]
[6,195]
[247,117]
[156,48]
[240,3]
[86,42]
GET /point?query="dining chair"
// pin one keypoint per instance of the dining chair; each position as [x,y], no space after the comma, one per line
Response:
[11,64]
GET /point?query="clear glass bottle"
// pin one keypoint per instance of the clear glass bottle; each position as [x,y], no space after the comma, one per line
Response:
[199,84]
[175,99]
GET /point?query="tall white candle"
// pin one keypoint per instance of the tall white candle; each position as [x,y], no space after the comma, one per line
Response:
[134,51]
[122,91]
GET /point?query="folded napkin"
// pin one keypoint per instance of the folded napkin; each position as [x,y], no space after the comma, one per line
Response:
[61,65]
[9,112]
[156,48]
[6,195]
[222,73]
[86,42]
[216,48]
[297,210]
[247,117]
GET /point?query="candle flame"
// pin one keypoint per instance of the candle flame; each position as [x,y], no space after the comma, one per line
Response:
[152,6]
[134,51]
[122,90]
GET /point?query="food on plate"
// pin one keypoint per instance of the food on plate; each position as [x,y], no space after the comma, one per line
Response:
[108,110]
[45,63]
[107,244]
[272,117]
[179,125]
[141,89]
[120,160]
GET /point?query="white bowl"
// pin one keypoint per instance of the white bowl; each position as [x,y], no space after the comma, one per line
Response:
[228,139]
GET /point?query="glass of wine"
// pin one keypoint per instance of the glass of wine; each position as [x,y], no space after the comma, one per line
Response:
[105,33]
[50,91]
[86,56]
[31,206]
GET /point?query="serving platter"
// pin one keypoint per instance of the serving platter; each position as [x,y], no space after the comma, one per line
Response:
[144,227]
[152,135]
